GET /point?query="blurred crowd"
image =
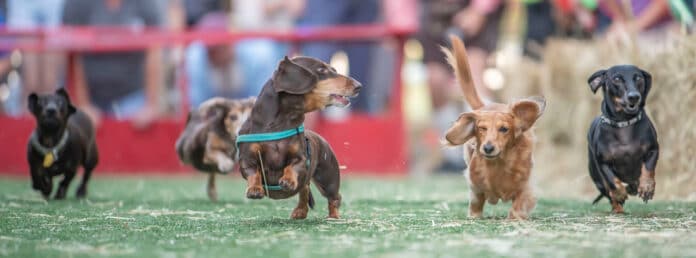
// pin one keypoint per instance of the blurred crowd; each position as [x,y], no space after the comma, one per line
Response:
[140,85]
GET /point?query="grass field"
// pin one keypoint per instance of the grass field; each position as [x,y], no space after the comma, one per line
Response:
[171,217]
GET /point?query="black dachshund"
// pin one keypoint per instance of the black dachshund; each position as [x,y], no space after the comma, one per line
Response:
[62,141]
[622,142]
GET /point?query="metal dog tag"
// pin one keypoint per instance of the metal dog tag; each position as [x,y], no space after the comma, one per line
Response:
[48,160]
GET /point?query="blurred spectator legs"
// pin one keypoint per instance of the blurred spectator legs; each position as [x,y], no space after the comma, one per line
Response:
[346,12]
[257,60]
[253,64]
[40,71]
[199,87]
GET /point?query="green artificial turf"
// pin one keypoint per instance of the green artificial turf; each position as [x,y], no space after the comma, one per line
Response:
[425,217]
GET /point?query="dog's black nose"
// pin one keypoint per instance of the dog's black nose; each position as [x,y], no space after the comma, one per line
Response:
[488,148]
[358,86]
[51,111]
[633,97]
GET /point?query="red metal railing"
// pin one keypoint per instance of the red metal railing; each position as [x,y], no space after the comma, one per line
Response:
[363,143]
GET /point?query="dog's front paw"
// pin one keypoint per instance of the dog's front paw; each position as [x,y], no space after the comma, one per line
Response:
[255,192]
[299,213]
[619,194]
[646,188]
[288,183]
[82,192]
[225,165]
[60,194]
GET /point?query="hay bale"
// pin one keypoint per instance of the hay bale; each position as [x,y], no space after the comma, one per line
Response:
[561,156]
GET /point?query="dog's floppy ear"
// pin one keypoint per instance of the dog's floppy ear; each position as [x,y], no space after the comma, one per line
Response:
[33,102]
[648,82]
[61,92]
[293,78]
[596,80]
[526,112]
[462,130]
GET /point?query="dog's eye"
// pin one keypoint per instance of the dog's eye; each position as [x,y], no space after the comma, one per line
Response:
[483,129]
[503,129]
[233,117]
[322,70]
[617,80]
[639,78]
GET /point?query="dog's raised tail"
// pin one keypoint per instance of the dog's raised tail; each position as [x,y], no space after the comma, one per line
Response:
[458,59]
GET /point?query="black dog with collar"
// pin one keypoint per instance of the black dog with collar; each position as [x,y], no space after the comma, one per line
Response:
[62,141]
[622,142]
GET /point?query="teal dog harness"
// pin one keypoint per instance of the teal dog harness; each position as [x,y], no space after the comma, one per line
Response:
[273,136]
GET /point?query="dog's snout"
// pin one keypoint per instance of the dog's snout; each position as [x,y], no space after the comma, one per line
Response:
[488,148]
[633,97]
[51,110]
[357,86]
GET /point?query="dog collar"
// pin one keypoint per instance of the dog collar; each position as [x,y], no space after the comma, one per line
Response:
[50,154]
[621,124]
[273,136]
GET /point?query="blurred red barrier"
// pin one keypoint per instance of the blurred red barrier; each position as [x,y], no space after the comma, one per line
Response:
[363,143]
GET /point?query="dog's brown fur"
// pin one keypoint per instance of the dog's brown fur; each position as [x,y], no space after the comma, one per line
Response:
[298,86]
[207,142]
[500,150]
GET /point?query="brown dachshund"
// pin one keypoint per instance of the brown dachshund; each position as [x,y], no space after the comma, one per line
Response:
[298,86]
[500,152]
[207,142]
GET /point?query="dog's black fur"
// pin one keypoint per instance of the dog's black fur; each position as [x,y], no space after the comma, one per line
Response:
[54,115]
[628,153]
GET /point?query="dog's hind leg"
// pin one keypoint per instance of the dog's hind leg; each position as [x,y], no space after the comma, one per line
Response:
[89,164]
[212,191]
[328,181]
[300,212]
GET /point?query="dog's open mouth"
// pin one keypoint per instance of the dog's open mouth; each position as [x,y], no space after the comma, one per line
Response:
[632,107]
[340,100]
[490,156]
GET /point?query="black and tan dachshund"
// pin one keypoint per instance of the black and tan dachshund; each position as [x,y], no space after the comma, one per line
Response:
[298,86]
[623,147]
[62,141]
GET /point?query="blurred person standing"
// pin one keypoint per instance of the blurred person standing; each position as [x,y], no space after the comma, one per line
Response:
[475,21]
[649,19]
[240,70]
[125,85]
[41,71]
[321,13]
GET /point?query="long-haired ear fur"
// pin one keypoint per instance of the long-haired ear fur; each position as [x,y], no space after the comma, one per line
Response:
[526,113]
[596,80]
[293,78]
[462,130]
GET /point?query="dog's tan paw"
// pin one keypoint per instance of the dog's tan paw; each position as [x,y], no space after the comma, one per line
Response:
[288,183]
[516,215]
[299,213]
[619,194]
[475,215]
[646,188]
[616,208]
[225,165]
[333,208]
[255,192]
